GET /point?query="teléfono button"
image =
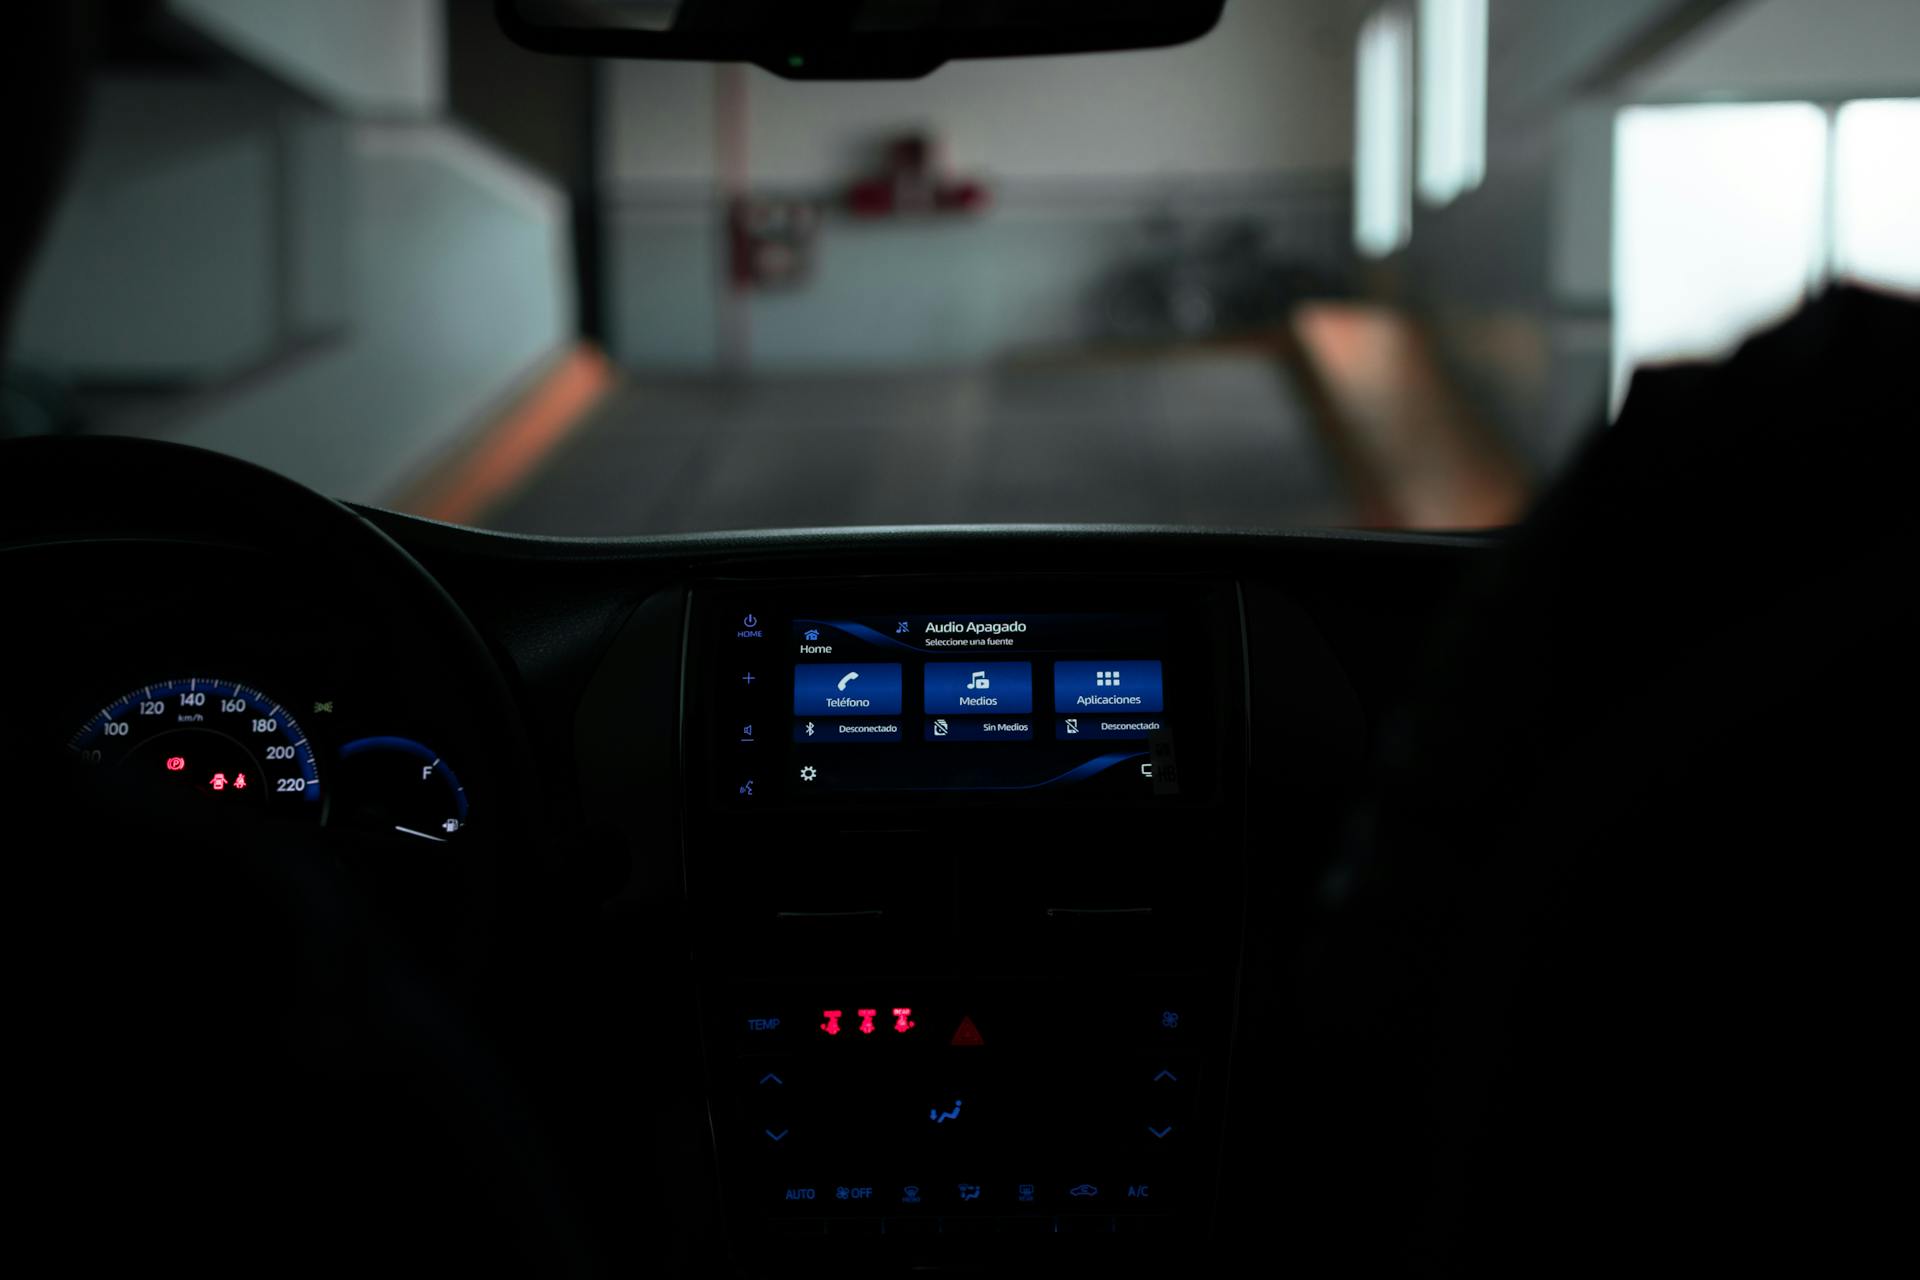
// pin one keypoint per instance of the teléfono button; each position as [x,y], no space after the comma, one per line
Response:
[833,689]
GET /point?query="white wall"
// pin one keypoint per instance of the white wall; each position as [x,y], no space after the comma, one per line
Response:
[1580,247]
[159,265]
[362,56]
[1794,49]
[383,283]
[1269,90]
[658,124]
[1260,94]
[459,274]
[1255,120]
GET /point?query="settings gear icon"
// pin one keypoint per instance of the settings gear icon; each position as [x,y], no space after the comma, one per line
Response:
[808,773]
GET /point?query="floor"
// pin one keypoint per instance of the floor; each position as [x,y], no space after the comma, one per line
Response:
[1209,437]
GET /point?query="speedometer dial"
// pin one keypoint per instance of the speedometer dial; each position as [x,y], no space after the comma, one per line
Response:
[223,740]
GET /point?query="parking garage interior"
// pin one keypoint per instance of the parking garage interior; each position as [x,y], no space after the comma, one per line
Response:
[379,248]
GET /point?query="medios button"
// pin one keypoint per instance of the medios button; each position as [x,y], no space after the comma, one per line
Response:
[979,688]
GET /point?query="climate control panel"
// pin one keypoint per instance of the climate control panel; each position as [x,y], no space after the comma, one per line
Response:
[993,1108]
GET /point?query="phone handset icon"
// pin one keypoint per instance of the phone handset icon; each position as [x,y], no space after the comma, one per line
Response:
[847,679]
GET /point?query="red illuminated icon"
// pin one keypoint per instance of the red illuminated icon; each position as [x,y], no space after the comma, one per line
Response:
[832,1024]
[966,1034]
[903,1020]
[218,782]
[866,1020]
[176,763]
[239,782]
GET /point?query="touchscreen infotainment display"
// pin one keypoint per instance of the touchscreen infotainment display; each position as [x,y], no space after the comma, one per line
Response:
[1033,704]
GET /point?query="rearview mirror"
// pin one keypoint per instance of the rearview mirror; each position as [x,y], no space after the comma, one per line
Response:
[850,39]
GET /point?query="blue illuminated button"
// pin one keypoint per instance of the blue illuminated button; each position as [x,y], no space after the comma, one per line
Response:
[979,688]
[1113,686]
[818,729]
[833,689]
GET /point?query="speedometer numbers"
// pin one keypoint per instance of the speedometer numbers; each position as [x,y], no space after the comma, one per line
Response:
[218,744]
[223,740]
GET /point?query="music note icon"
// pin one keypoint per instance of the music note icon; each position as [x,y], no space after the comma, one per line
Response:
[979,681]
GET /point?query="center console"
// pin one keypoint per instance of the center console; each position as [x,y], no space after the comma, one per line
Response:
[965,858]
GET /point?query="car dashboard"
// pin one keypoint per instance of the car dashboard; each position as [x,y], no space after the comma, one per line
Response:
[841,900]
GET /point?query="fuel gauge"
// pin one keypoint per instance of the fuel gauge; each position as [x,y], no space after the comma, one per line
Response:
[398,785]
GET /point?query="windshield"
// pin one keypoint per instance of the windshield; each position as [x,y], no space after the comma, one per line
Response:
[1338,263]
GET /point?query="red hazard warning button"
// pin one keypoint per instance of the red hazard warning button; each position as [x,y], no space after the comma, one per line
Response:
[966,1033]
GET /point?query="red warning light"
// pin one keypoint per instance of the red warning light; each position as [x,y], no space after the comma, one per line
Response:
[218,782]
[966,1034]
[866,1020]
[239,782]
[903,1020]
[176,763]
[832,1024]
